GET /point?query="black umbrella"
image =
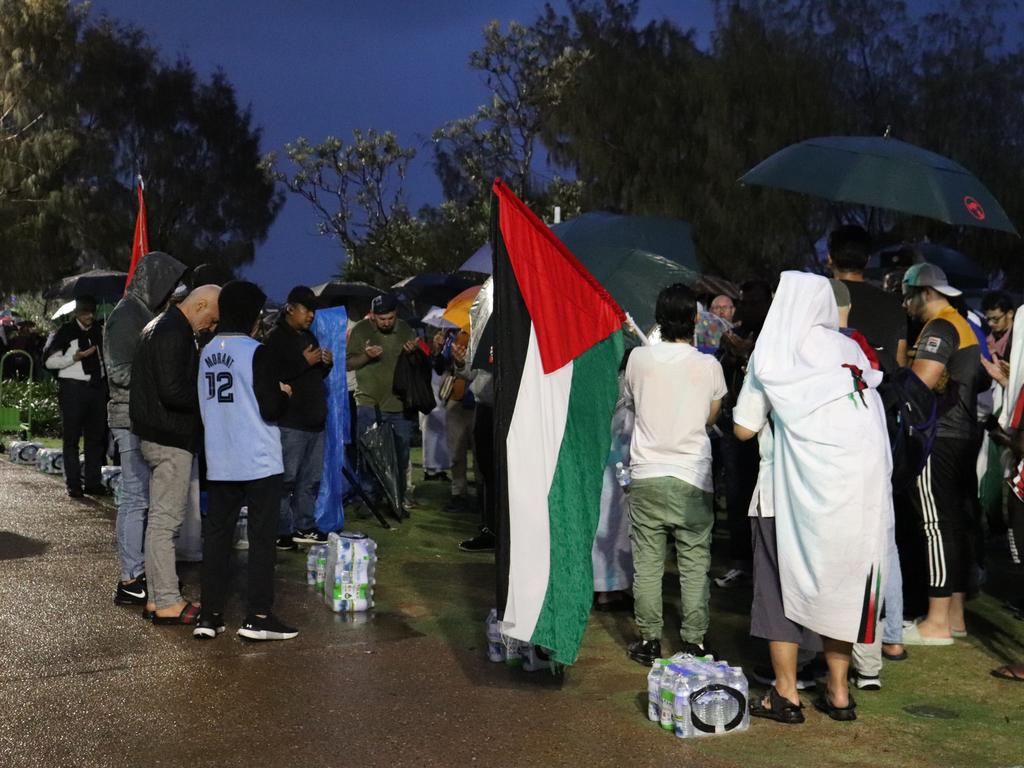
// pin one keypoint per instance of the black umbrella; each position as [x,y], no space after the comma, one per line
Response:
[433,288]
[99,283]
[379,452]
[338,291]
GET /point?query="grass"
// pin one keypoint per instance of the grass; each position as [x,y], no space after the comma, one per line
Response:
[441,591]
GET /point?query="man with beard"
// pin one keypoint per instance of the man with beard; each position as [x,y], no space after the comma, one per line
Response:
[374,346]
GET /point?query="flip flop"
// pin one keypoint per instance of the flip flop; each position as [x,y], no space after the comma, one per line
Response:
[780,709]
[189,615]
[1009,673]
[912,636]
[842,714]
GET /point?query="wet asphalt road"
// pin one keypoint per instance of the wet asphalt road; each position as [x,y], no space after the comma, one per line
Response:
[86,683]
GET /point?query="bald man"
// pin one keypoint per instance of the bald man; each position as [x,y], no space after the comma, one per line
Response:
[723,307]
[164,409]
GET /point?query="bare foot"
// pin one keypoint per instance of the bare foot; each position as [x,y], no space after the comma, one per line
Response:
[927,629]
[839,699]
[174,610]
[893,649]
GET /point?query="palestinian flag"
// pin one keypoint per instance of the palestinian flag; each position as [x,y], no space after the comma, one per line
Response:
[558,344]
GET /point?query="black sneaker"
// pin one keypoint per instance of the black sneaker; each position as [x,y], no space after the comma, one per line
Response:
[286,544]
[75,493]
[482,542]
[457,505]
[696,649]
[266,628]
[210,625]
[441,477]
[98,490]
[805,677]
[132,593]
[309,536]
[644,652]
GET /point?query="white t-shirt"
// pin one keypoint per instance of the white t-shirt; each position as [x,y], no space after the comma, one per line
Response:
[670,387]
[752,411]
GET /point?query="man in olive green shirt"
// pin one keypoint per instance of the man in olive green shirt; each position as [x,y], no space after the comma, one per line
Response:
[374,346]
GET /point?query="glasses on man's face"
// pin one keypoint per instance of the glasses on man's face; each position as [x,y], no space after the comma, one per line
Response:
[995,319]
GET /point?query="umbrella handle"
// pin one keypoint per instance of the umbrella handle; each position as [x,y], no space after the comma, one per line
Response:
[631,324]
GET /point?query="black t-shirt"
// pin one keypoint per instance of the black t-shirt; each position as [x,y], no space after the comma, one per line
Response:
[878,315]
[948,339]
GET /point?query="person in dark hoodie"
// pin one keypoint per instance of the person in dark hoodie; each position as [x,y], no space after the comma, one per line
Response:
[164,412]
[153,281]
[240,398]
[303,365]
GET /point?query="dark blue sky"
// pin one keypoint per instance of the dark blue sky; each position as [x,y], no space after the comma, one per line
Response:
[315,68]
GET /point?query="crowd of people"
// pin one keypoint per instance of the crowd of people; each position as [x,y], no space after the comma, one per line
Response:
[781,404]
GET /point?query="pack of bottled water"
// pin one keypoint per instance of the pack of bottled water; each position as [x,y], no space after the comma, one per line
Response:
[50,461]
[23,452]
[697,696]
[514,653]
[241,539]
[349,572]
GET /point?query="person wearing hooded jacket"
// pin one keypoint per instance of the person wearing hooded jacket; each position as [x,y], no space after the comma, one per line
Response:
[152,284]
[241,398]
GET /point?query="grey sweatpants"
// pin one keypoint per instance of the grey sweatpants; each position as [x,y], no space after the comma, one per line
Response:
[169,488]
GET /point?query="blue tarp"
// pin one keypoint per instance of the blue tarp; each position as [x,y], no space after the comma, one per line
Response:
[330,327]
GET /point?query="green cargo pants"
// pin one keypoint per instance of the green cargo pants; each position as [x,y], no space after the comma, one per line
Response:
[660,507]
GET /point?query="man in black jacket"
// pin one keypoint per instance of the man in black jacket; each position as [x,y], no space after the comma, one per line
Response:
[302,365]
[164,408]
[75,354]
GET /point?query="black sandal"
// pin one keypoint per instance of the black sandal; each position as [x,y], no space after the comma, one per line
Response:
[780,709]
[842,714]
[189,615]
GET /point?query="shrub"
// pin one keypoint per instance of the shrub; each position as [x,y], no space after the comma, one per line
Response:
[38,397]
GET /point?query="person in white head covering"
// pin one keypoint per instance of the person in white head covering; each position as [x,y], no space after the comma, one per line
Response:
[830,481]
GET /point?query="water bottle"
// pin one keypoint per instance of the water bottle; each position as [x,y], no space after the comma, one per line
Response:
[681,706]
[716,704]
[622,474]
[495,648]
[739,682]
[700,704]
[667,695]
[654,693]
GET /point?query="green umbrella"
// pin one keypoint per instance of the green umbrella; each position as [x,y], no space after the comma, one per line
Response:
[882,173]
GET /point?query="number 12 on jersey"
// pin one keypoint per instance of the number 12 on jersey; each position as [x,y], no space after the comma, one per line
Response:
[219,385]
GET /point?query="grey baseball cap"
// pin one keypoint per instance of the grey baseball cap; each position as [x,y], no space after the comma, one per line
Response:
[927,275]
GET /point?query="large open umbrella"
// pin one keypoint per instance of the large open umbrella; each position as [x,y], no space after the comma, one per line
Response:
[433,288]
[882,173]
[339,291]
[963,273]
[99,283]
[457,311]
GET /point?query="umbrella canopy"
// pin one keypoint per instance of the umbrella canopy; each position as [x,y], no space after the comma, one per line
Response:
[435,319]
[457,311]
[99,283]
[716,286]
[435,288]
[962,272]
[64,309]
[882,173]
[338,290]
[378,448]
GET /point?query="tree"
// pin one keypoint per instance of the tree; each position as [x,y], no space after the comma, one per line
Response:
[37,43]
[120,110]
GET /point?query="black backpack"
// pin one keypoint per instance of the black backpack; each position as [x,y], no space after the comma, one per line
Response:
[912,417]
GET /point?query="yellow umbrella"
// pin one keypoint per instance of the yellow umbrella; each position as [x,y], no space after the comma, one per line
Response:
[457,311]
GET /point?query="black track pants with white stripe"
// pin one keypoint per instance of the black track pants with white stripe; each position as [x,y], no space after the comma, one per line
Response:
[943,506]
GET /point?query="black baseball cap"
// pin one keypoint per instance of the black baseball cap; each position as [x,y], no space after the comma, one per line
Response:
[300,294]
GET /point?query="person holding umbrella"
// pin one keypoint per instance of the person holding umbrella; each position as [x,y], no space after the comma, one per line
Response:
[75,353]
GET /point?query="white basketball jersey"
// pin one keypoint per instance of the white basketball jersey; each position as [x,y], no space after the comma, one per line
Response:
[240,445]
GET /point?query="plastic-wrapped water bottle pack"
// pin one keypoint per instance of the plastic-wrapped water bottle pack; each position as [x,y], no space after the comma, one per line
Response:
[697,696]
[344,571]
[514,653]
[50,461]
[23,452]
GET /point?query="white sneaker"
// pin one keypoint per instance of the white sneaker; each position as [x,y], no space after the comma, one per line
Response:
[869,683]
[732,578]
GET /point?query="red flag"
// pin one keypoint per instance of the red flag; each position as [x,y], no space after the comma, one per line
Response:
[140,243]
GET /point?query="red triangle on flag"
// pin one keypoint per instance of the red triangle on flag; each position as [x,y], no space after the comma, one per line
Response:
[570,310]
